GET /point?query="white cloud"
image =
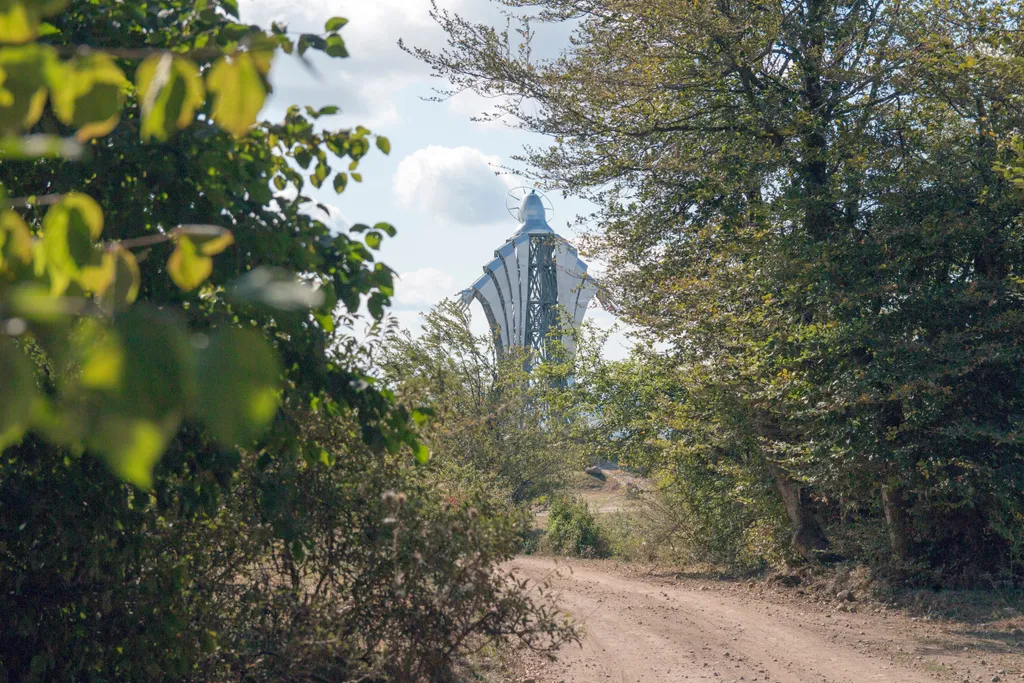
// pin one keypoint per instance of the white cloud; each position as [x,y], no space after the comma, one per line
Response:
[421,289]
[366,83]
[456,184]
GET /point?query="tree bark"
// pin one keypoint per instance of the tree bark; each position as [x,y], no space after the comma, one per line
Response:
[809,539]
[894,505]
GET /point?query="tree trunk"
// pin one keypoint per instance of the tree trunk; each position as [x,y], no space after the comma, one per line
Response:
[809,538]
[895,506]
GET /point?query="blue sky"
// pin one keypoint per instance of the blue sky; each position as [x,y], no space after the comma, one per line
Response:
[440,186]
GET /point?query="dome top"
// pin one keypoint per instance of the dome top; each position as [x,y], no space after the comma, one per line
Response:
[532,215]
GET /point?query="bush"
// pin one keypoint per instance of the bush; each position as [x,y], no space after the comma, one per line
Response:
[572,529]
[292,569]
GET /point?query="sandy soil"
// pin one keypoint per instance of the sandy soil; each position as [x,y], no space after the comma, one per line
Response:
[647,629]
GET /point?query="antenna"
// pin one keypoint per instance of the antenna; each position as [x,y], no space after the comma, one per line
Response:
[515,197]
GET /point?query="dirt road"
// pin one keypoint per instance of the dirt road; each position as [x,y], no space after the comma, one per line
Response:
[644,630]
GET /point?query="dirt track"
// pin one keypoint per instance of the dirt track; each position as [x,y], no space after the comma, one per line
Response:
[645,630]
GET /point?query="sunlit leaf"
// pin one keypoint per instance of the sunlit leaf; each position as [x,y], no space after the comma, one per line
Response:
[340,182]
[186,266]
[209,240]
[170,91]
[238,382]
[67,240]
[88,94]
[20,19]
[383,144]
[336,46]
[238,90]
[131,447]
[15,242]
[335,23]
[24,84]
[100,356]
[79,208]
[97,275]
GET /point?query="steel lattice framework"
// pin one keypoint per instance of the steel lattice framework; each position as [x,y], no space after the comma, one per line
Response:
[535,286]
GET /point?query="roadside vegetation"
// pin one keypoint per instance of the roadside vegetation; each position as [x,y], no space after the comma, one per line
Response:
[813,213]
[203,477]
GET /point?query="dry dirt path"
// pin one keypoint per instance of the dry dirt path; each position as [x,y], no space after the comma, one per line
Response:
[645,630]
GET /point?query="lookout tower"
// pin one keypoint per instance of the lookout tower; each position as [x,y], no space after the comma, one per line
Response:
[535,283]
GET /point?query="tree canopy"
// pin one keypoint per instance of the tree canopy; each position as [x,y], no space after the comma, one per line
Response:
[812,204]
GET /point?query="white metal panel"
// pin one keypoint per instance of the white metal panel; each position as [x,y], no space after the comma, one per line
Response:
[523,257]
[567,277]
[507,254]
[493,301]
[496,269]
[587,292]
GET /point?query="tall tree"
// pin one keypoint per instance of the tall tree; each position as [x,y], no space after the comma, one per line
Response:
[800,198]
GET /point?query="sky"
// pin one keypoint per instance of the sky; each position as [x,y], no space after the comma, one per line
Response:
[442,186]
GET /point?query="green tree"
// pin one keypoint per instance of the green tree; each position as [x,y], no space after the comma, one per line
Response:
[152,327]
[494,425]
[800,199]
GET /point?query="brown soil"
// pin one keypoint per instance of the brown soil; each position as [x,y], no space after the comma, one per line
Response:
[649,629]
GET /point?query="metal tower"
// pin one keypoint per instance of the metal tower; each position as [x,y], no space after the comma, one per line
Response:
[535,285]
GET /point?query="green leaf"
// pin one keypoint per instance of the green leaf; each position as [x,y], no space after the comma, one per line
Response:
[17,390]
[69,229]
[210,240]
[335,23]
[340,182]
[88,94]
[336,46]
[131,447]
[386,228]
[275,288]
[158,383]
[15,243]
[238,383]
[99,355]
[186,266]
[373,240]
[20,19]
[421,453]
[24,85]
[237,86]
[170,91]
[127,280]
[383,144]
[375,304]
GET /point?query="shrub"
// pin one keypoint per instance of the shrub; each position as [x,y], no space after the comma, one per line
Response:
[573,529]
[292,569]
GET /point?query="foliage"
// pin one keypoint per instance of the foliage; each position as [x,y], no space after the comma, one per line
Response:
[494,426]
[572,528]
[152,328]
[380,577]
[119,384]
[808,204]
